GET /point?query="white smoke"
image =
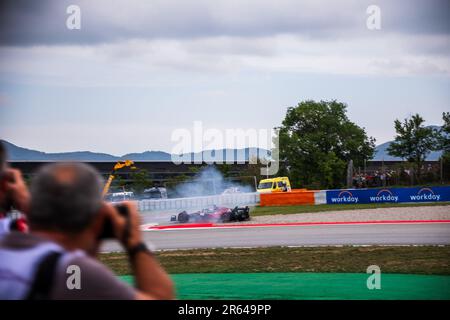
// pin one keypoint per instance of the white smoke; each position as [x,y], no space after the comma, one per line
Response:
[208,181]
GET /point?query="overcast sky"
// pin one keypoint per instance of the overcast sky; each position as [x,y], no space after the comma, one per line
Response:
[137,70]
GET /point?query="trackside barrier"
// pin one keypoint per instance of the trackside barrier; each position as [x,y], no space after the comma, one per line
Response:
[307,197]
[388,195]
[234,199]
[352,196]
[320,197]
[287,198]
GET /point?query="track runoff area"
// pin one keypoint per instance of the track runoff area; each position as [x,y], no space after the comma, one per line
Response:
[397,232]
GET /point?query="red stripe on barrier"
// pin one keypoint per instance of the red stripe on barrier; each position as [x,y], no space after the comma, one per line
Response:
[183,226]
[289,224]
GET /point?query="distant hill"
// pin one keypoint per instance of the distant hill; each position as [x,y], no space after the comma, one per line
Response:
[381,152]
[147,156]
[16,153]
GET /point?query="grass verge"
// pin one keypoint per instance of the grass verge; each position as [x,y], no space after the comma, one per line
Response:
[264,211]
[409,259]
[311,286]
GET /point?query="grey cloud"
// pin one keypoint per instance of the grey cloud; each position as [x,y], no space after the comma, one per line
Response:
[223,35]
[43,22]
[417,16]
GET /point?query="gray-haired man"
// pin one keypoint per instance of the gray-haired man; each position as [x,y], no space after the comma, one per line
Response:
[67,217]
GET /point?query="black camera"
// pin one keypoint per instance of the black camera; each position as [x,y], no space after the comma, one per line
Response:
[108,232]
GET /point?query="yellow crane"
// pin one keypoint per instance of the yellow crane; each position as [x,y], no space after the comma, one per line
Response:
[119,165]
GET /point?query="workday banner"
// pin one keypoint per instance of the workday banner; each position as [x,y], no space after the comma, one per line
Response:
[383,195]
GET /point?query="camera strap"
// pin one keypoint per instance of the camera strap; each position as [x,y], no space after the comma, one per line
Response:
[43,280]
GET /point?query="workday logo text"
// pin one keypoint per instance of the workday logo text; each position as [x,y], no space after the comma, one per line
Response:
[384,195]
[345,196]
[425,194]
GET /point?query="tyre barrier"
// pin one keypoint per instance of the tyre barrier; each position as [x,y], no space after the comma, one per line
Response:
[287,198]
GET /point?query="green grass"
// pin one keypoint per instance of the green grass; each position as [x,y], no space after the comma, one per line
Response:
[264,211]
[430,260]
[321,286]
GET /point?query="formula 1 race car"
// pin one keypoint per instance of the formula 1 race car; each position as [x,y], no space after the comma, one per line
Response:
[214,214]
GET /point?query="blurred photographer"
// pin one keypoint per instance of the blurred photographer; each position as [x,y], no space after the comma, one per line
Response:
[68,220]
[13,195]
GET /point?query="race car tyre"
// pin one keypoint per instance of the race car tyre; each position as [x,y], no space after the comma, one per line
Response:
[243,214]
[183,217]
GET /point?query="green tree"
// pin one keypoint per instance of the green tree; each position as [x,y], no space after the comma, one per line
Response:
[444,145]
[413,142]
[445,135]
[224,169]
[140,180]
[316,141]
[118,183]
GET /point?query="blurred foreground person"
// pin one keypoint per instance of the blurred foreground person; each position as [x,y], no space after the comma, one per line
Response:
[13,195]
[68,220]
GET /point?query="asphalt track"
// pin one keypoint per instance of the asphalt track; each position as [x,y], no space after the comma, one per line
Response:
[302,235]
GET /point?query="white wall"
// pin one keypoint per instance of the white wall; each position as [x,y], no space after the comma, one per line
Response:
[229,200]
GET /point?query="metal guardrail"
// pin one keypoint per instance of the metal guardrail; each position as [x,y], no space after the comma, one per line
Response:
[231,200]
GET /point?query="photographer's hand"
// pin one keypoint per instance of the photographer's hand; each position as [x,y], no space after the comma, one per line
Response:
[151,279]
[131,237]
[17,190]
